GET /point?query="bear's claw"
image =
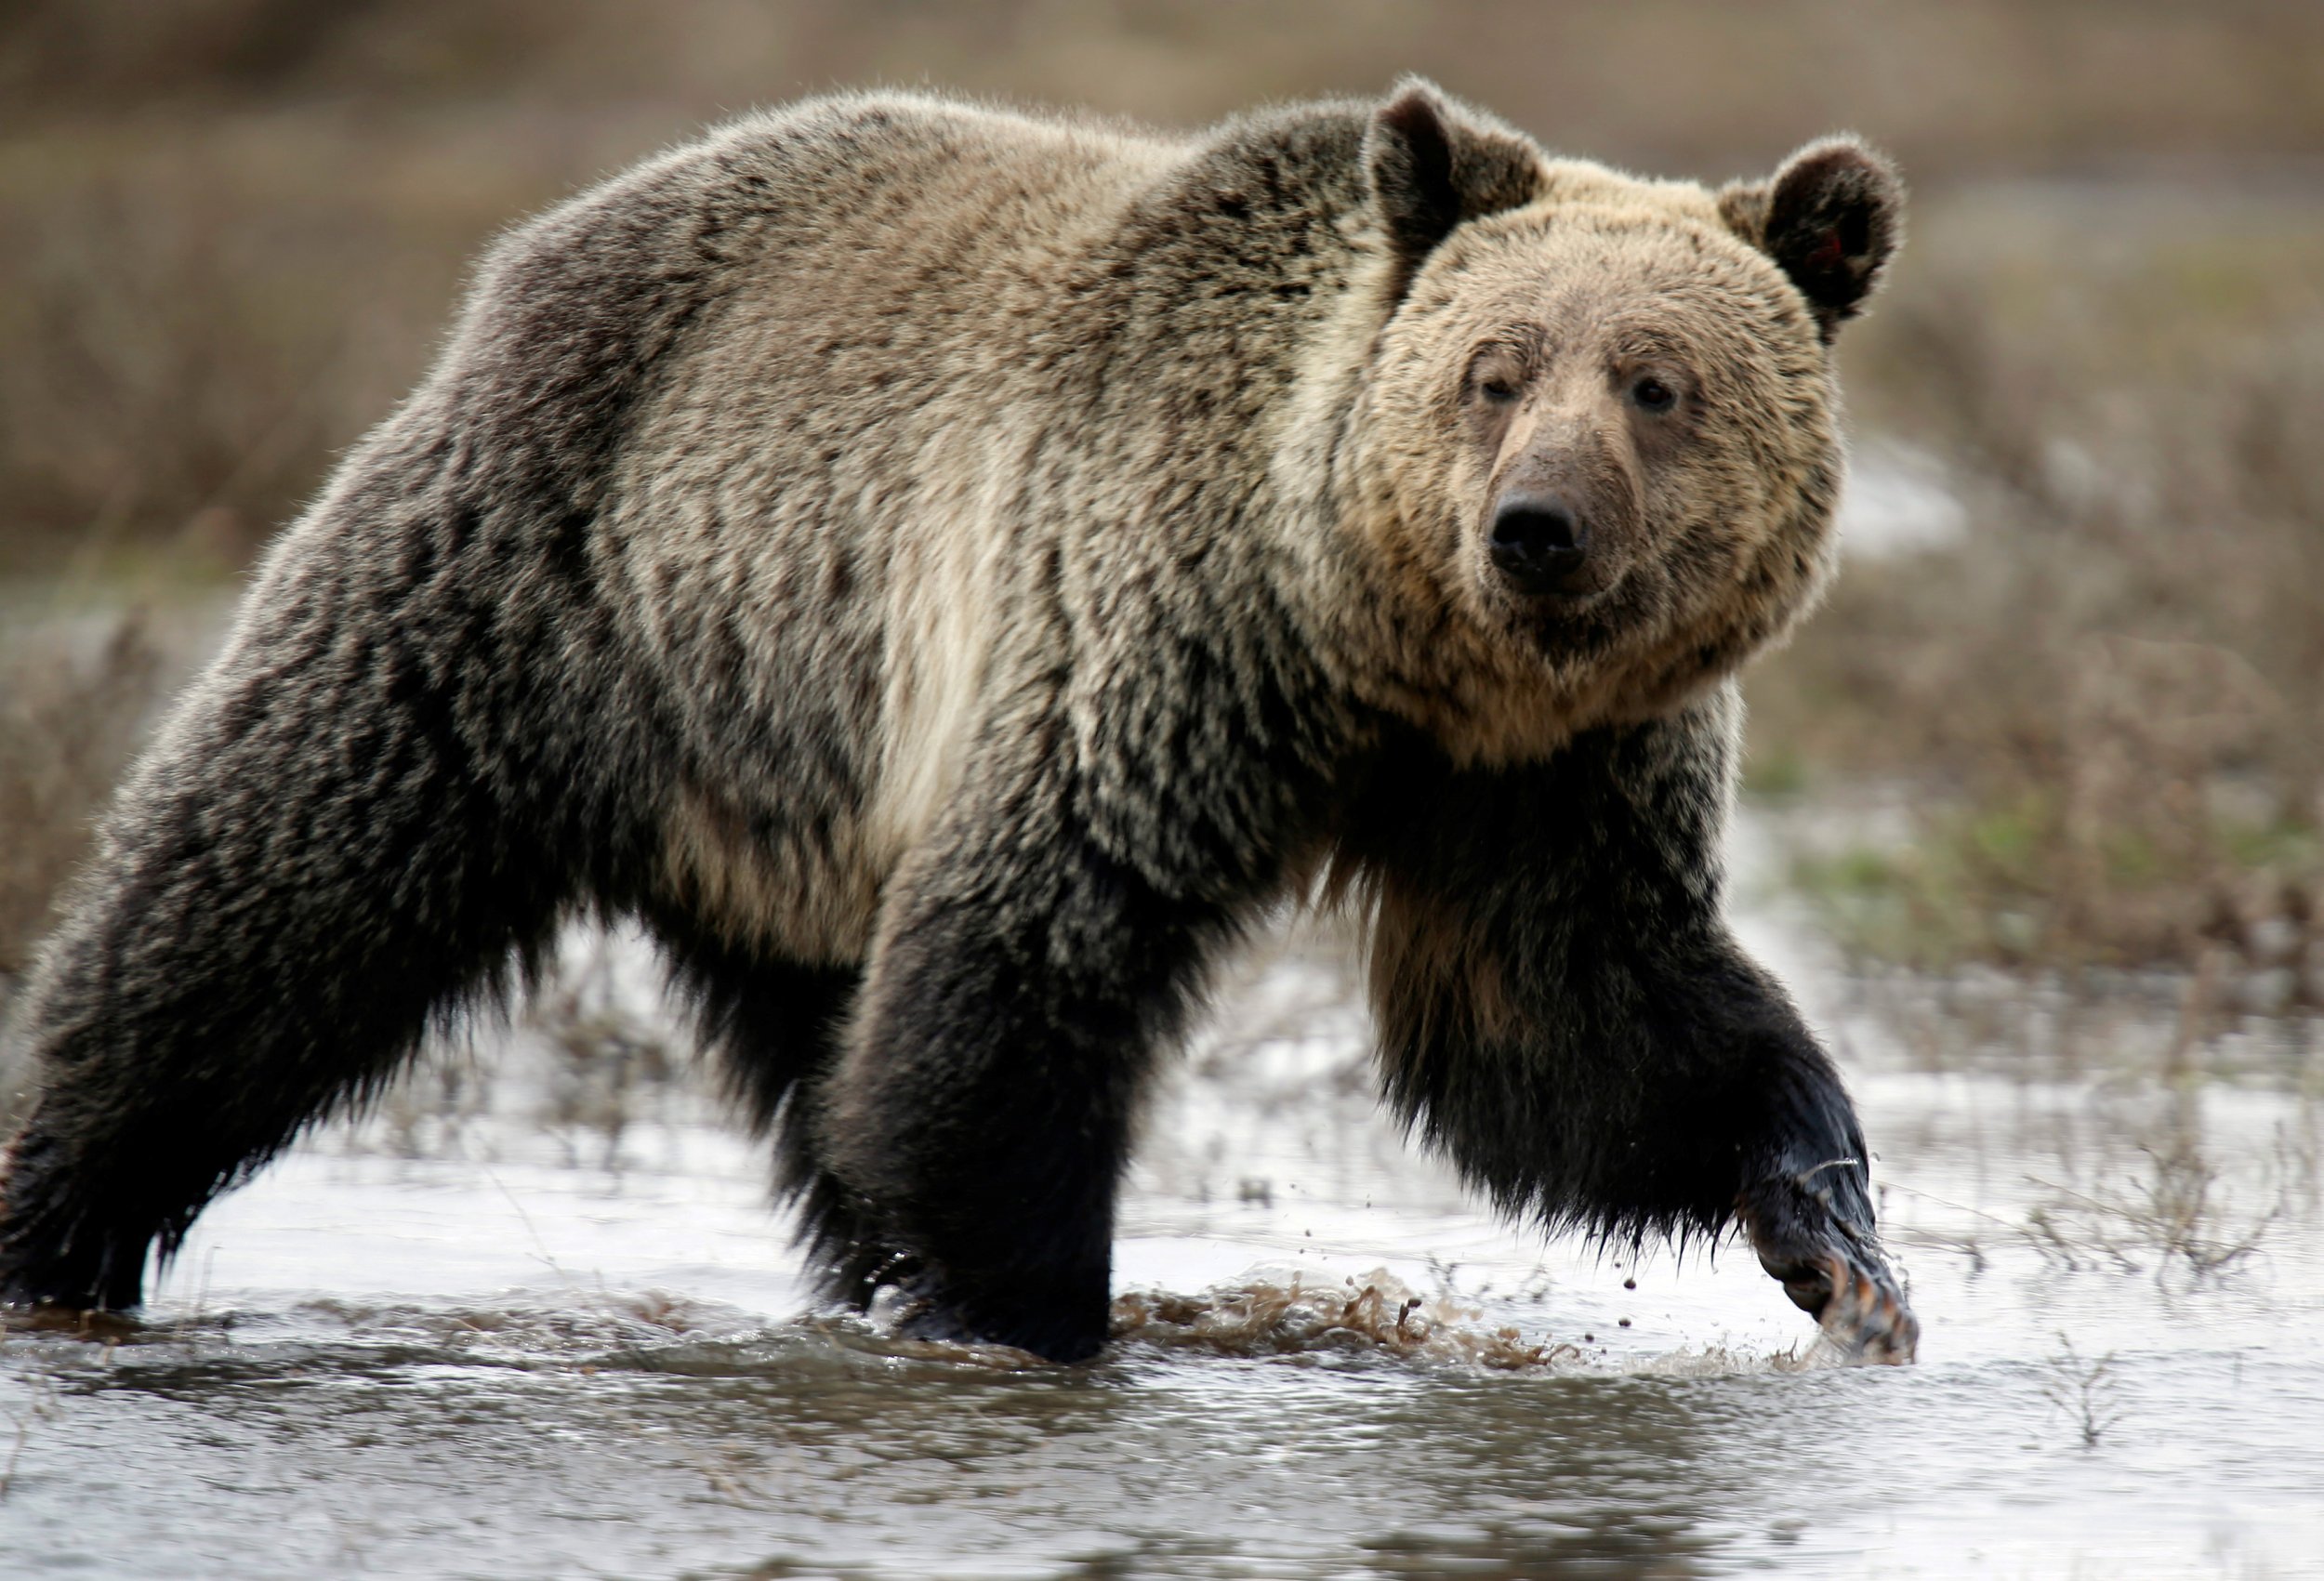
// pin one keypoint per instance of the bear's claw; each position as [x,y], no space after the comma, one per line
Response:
[1835,1273]
[1859,1308]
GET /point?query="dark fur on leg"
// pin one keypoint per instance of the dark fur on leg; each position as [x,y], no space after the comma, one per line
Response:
[265,935]
[1564,1011]
[986,1106]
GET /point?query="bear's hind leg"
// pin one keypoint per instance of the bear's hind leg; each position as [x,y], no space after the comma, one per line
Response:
[303,870]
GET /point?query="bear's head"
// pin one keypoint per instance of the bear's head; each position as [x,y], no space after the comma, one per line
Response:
[1597,435]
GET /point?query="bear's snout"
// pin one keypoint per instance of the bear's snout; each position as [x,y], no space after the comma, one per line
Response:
[1542,545]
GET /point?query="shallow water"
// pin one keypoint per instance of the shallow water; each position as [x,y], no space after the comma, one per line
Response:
[543,1325]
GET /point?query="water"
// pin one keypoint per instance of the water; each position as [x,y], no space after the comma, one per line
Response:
[543,1325]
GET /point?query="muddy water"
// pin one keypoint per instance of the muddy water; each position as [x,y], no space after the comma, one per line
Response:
[539,1322]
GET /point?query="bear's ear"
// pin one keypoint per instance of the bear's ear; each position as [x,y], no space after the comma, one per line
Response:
[1830,219]
[1432,163]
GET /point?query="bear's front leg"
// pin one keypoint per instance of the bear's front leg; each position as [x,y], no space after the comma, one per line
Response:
[1777,1108]
[1022,979]
[1731,1073]
[1565,1012]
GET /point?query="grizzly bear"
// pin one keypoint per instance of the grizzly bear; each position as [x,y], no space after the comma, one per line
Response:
[948,572]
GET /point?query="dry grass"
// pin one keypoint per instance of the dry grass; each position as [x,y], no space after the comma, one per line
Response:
[67,725]
[610,1069]
[2171,1219]
[1379,1315]
[188,334]
[42,1401]
[2086,1390]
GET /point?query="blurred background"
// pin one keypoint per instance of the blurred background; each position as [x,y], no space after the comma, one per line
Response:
[2061,721]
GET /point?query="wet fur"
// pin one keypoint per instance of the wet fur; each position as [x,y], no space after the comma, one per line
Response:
[947,571]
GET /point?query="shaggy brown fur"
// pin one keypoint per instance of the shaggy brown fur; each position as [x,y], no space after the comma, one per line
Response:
[948,570]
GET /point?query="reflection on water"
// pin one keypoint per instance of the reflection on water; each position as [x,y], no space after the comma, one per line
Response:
[488,1335]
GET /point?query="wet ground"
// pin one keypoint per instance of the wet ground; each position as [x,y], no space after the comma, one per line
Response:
[535,1320]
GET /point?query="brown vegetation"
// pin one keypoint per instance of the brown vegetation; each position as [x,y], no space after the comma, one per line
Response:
[2107,695]
[1260,1317]
[67,724]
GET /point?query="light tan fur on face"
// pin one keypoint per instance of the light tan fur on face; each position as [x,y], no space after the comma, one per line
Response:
[1719,541]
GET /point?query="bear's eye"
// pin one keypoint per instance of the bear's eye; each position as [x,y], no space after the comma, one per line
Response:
[1653,394]
[1500,388]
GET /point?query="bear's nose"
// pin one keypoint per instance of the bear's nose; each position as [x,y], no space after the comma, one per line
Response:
[1539,543]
